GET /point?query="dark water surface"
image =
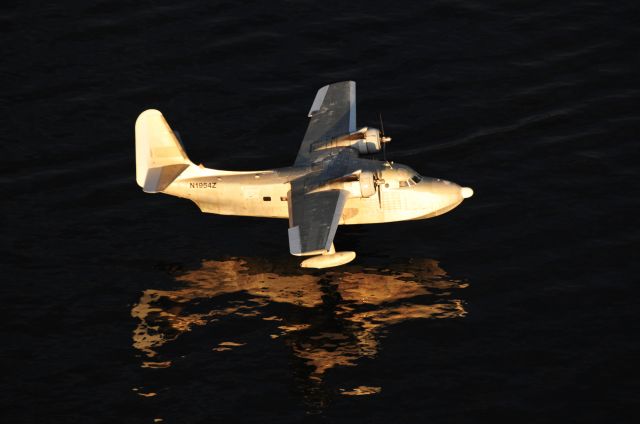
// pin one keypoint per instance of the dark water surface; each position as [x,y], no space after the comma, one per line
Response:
[520,305]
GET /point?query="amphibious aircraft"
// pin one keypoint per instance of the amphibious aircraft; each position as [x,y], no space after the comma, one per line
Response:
[333,181]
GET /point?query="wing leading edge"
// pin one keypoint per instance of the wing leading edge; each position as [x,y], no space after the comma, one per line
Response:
[332,113]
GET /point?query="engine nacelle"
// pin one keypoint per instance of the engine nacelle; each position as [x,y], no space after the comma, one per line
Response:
[367,184]
[366,141]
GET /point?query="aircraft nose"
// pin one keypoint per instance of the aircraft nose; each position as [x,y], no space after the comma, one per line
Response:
[446,189]
[440,187]
[440,196]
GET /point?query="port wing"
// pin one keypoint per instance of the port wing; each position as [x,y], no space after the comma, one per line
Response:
[313,219]
[332,113]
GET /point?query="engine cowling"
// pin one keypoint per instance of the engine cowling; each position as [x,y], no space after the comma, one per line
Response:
[366,141]
[367,184]
[372,141]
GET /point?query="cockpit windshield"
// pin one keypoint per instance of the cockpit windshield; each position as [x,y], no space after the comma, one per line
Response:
[412,181]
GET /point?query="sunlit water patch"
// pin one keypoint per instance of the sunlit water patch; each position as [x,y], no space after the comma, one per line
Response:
[333,319]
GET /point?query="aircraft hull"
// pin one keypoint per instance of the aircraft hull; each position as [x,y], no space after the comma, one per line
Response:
[264,194]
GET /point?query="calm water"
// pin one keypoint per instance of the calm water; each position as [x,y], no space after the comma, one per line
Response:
[520,305]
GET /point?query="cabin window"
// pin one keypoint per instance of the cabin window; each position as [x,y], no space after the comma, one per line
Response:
[283,198]
[404,184]
[267,198]
[416,179]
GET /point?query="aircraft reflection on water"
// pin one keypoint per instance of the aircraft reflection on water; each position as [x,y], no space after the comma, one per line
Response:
[351,308]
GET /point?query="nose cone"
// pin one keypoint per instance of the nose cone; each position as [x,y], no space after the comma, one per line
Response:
[466,192]
[443,193]
[440,196]
[440,188]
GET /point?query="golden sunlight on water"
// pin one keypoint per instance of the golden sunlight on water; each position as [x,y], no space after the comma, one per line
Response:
[361,391]
[364,302]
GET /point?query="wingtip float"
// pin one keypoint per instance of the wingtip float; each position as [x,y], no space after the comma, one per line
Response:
[333,181]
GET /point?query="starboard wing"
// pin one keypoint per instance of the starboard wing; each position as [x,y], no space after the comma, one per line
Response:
[332,113]
[313,219]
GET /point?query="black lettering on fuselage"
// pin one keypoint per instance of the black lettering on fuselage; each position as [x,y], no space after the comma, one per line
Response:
[205,184]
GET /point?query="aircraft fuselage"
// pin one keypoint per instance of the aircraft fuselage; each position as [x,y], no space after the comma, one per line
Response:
[401,194]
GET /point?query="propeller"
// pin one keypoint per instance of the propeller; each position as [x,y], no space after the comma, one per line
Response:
[379,182]
[384,140]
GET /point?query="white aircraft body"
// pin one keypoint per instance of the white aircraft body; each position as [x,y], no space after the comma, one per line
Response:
[332,182]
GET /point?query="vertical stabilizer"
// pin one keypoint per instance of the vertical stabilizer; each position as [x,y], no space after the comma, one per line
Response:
[160,158]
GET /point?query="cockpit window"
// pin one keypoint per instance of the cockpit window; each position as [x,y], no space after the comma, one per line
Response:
[411,181]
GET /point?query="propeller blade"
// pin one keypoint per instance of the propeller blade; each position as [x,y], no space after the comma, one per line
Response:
[384,151]
[379,183]
[384,147]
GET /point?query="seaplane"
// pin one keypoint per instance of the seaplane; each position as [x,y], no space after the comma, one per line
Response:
[336,179]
